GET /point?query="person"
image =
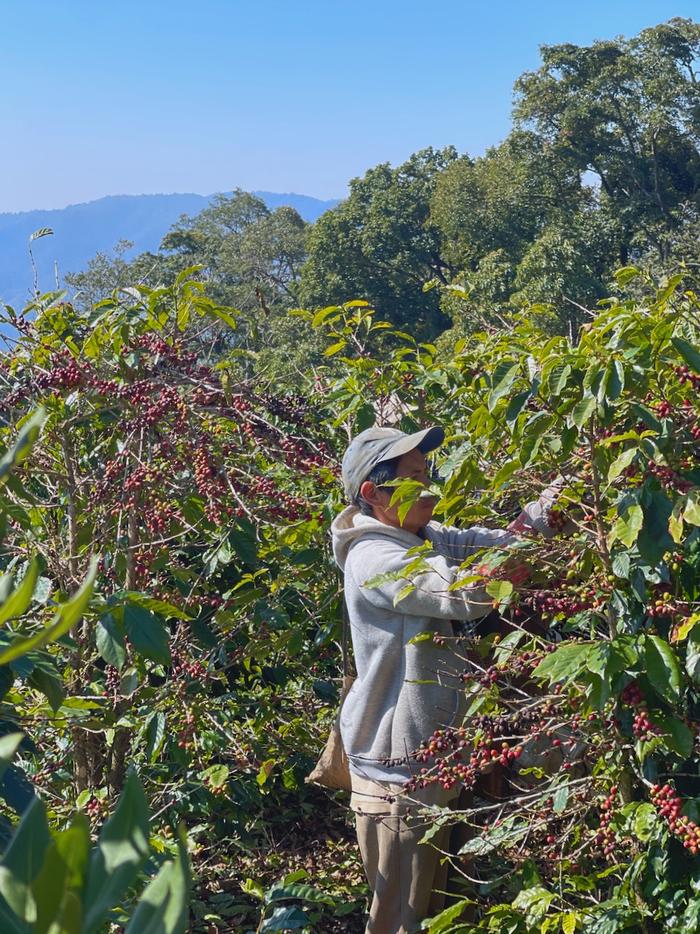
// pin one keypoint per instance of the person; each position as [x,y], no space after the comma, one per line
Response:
[406,687]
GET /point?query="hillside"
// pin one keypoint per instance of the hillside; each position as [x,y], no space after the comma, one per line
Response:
[81,230]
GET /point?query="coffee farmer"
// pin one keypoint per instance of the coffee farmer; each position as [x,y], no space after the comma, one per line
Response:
[404,690]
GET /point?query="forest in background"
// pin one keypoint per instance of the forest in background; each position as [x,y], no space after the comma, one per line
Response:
[170,650]
[600,170]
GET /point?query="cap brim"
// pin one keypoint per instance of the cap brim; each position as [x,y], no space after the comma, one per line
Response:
[425,441]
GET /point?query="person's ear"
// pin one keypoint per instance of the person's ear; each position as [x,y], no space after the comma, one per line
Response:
[370,492]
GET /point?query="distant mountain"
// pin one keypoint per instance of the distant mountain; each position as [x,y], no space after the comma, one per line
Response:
[81,230]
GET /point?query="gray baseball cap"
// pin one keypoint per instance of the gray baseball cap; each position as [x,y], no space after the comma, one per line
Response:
[374,445]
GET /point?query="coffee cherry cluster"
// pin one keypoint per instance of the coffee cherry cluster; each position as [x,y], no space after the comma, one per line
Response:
[112,683]
[556,519]
[644,728]
[65,373]
[188,668]
[285,505]
[292,409]
[551,602]
[185,737]
[454,762]
[685,376]
[670,805]
[209,483]
[217,790]
[95,808]
[668,477]
[43,776]
[605,837]
[298,456]
[666,605]
[632,695]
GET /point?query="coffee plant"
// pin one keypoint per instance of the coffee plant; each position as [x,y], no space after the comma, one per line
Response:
[580,742]
[185,508]
[54,880]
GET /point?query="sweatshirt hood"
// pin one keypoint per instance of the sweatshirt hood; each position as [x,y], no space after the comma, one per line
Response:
[351,524]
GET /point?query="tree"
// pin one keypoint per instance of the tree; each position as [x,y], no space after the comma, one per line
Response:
[522,228]
[381,245]
[626,110]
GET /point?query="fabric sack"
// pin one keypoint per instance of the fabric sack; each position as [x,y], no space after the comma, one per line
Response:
[332,769]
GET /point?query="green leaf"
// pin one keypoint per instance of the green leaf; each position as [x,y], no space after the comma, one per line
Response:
[503,378]
[335,348]
[285,919]
[265,771]
[28,434]
[155,734]
[677,735]
[224,316]
[564,662]
[691,513]
[621,463]
[645,820]
[569,922]
[110,641]
[147,634]
[160,607]
[9,744]
[662,667]
[499,590]
[20,598]
[688,351]
[612,383]
[216,776]
[51,685]
[675,522]
[628,526]
[560,798]
[122,849]
[164,906]
[443,922]
[626,273]
[583,410]
[558,378]
[405,591]
[23,860]
[535,902]
[58,886]
[281,891]
[692,655]
[67,616]
[324,314]
[516,405]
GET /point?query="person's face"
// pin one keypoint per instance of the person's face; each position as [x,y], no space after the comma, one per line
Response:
[411,466]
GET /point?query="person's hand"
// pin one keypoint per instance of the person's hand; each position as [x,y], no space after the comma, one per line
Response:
[542,516]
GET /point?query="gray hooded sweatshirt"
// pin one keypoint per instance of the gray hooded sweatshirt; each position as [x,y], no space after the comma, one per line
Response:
[403,691]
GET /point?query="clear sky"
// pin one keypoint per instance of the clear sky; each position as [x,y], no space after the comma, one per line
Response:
[121,97]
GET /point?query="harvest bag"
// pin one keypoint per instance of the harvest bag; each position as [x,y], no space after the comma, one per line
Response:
[332,769]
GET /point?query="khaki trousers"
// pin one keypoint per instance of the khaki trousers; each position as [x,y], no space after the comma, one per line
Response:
[406,876]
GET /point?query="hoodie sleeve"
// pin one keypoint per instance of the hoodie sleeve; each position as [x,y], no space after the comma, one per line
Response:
[430,595]
[457,544]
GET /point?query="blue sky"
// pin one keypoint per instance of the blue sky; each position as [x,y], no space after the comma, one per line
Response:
[131,97]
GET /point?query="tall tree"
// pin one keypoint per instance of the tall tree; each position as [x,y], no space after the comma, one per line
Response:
[628,111]
[381,245]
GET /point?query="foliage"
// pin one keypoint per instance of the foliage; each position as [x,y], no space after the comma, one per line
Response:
[170,469]
[627,111]
[600,169]
[54,880]
[584,696]
[379,244]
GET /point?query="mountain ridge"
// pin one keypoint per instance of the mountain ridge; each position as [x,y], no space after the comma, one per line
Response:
[81,230]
